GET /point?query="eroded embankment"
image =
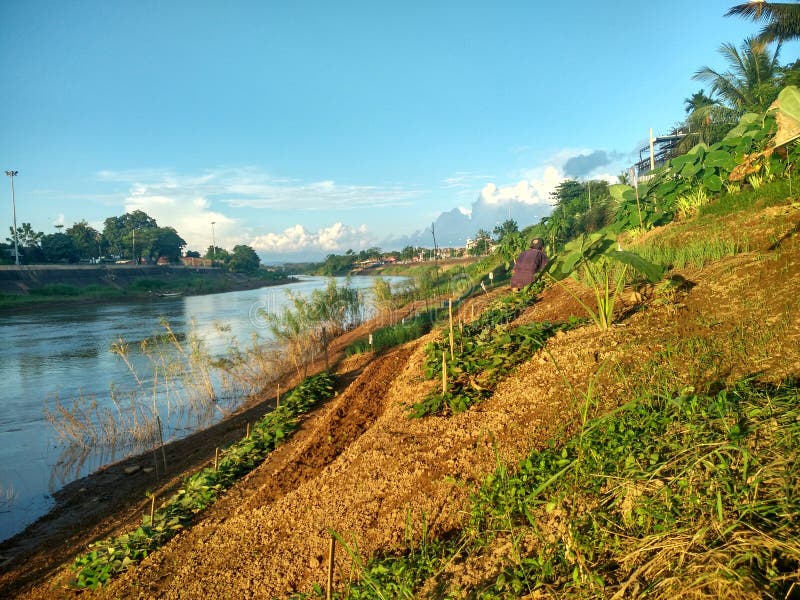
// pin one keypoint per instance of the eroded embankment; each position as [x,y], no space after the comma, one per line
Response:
[268,538]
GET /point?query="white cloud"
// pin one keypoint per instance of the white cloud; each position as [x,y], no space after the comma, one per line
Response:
[298,239]
[532,192]
[190,202]
[191,218]
[464,179]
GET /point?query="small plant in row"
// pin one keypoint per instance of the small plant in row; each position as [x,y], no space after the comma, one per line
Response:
[478,364]
[114,555]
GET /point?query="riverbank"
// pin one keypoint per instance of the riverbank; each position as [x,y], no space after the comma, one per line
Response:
[115,496]
[37,285]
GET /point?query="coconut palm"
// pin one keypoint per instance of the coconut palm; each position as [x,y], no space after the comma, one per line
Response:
[751,83]
[697,100]
[783,18]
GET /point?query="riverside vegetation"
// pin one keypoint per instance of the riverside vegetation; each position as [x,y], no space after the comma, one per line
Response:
[677,475]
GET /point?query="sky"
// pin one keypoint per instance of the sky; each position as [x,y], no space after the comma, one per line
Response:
[306,128]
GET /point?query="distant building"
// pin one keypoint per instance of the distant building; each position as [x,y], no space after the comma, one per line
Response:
[191,261]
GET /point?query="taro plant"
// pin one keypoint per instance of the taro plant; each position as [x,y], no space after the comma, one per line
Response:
[599,259]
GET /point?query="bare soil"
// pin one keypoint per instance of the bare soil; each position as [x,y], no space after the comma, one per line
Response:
[360,467]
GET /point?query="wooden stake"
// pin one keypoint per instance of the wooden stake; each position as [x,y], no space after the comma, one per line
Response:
[216,458]
[325,346]
[444,373]
[450,311]
[152,508]
[247,433]
[278,397]
[161,437]
[331,554]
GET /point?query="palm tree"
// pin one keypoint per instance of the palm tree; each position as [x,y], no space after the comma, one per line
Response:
[783,18]
[696,101]
[751,82]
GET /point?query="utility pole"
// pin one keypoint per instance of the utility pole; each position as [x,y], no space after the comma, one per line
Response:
[652,154]
[13,174]
[213,245]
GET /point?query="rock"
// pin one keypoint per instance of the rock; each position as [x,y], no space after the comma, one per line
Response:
[132,469]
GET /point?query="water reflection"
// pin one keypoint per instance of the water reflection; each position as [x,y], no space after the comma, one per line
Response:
[65,355]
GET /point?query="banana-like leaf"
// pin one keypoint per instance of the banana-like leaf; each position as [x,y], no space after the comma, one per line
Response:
[788,115]
[650,270]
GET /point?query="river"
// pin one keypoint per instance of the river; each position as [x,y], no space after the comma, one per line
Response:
[64,354]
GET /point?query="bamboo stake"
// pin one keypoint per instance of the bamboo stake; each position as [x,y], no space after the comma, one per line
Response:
[247,433]
[152,508]
[331,555]
[216,458]
[278,397]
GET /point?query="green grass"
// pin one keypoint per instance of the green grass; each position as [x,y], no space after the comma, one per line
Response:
[667,495]
[393,335]
[772,193]
[697,253]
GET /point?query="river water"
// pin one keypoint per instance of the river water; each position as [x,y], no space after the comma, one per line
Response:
[64,354]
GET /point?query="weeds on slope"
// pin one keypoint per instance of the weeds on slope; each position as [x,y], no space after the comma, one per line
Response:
[114,555]
[691,495]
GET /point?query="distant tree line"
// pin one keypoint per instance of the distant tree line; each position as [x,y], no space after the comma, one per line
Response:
[134,237]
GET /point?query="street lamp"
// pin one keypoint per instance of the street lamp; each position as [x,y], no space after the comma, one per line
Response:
[13,174]
[213,245]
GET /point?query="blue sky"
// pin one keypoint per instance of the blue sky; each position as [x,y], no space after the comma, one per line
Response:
[304,128]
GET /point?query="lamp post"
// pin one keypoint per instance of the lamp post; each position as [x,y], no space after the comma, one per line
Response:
[213,245]
[13,174]
[134,247]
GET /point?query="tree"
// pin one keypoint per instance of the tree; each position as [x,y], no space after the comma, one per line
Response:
[408,253]
[28,242]
[244,260]
[507,227]
[217,255]
[696,101]
[26,235]
[166,243]
[59,247]
[752,82]
[782,19]
[192,254]
[86,239]
[118,233]
[481,244]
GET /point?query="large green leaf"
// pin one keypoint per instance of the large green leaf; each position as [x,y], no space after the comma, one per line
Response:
[720,159]
[650,270]
[712,182]
[747,122]
[679,162]
[617,190]
[689,170]
[788,115]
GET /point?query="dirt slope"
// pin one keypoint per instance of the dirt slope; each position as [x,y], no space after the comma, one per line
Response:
[360,467]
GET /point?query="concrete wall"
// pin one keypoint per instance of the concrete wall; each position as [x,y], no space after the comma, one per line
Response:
[19,280]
